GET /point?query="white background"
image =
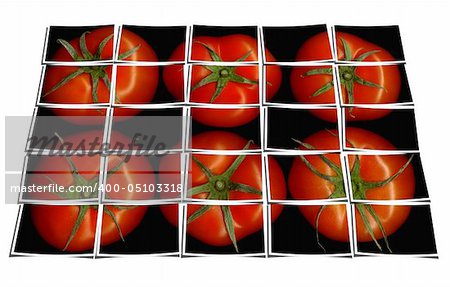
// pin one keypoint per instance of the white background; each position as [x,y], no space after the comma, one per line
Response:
[425,33]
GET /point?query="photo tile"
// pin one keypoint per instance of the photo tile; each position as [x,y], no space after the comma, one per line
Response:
[211,84]
[297,43]
[145,229]
[225,177]
[307,126]
[72,129]
[135,129]
[217,44]
[72,85]
[306,177]
[204,238]
[63,43]
[276,180]
[383,43]
[230,129]
[143,177]
[380,129]
[149,85]
[310,85]
[374,84]
[156,43]
[408,230]
[61,178]
[38,224]
[294,230]
[386,177]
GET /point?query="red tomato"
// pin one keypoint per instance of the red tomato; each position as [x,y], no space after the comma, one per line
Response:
[48,218]
[134,84]
[215,117]
[222,84]
[315,48]
[54,224]
[210,227]
[367,183]
[358,47]
[378,84]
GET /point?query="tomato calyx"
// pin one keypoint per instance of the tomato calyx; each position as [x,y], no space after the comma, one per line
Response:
[219,187]
[80,181]
[347,75]
[221,75]
[359,187]
[96,73]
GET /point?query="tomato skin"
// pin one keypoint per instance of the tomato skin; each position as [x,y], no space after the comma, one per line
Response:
[229,48]
[364,139]
[304,184]
[233,93]
[387,76]
[134,84]
[333,222]
[210,228]
[136,170]
[359,46]
[303,87]
[76,91]
[215,117]
[315,48]
[55,222]
[93,40]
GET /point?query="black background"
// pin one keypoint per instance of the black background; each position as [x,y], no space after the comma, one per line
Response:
[163,40]
[292,233]
[284,42]
[287,124]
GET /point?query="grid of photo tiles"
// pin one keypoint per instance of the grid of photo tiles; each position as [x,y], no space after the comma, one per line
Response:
[278,141]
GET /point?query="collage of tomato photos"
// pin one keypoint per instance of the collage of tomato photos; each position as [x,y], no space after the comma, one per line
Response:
[200,140]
